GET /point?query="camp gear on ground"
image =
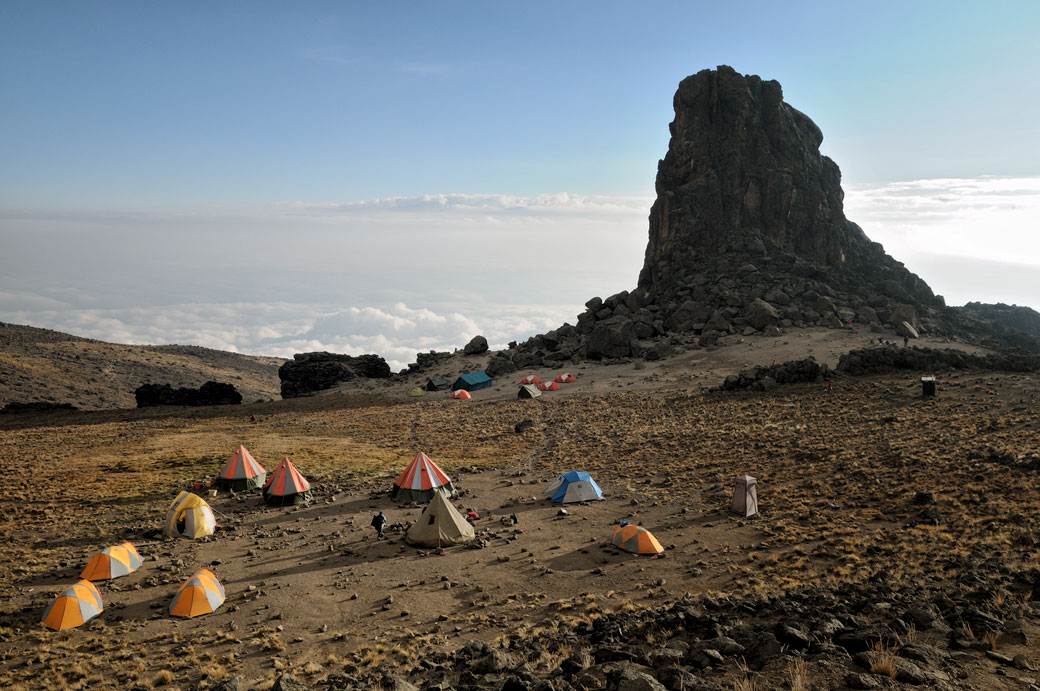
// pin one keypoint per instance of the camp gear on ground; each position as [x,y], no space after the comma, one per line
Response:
[241,472]
[112,562]
[189,516]
[565,378]
[200,594]
[473,515]
[549,386]
[574,486]
[745,496]
[636,540]
[461,393]
[286,485]
[420,480]
[77,604]
[528,391]
[473,381]
[440,525]
[530,379]
[927,386]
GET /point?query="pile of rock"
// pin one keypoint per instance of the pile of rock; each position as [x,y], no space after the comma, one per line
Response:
[884,359]
[14,408]
[308,373]
[210,393]
[765,378]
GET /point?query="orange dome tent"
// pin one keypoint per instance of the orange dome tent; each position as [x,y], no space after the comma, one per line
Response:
[460,393]
[241,472]
[420,481]
[200,594]
[77,604]
[565,378]
[287,486]
[530,379]
[112,562]
[632,538]
[549,386]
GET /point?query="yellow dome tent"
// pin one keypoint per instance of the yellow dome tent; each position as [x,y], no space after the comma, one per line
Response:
[77,604]
[632,538]
[112,562]
[200,594]
[416,392]
[189,516]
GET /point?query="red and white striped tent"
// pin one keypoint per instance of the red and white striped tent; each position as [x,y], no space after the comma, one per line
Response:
[420,480]
[459,393]
[241,472]
[549,386]
[565,378]
[530,379]
[286,485]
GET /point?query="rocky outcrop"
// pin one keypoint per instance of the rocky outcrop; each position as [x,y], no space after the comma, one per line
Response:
[477,346]
[210,393]
[766,378]
[308,373]
[885,359]
[15,408]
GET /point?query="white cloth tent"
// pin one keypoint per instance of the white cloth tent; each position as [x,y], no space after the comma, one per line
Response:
[745,496]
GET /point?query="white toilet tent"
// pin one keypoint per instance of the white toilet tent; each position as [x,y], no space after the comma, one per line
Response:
[745,495]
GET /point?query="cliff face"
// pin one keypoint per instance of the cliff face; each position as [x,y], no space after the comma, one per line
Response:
[744,175]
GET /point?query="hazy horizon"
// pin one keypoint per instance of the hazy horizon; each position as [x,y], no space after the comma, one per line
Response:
[271,179]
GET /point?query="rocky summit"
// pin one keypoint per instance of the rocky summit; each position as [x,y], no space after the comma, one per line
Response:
[748,235]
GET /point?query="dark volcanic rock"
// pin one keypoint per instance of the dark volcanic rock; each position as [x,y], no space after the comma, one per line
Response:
[35,407]
[308,373]
[476,346]
[891,358]
[613,338]
[210,393]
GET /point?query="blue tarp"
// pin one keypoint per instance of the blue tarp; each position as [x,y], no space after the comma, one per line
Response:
[472,381]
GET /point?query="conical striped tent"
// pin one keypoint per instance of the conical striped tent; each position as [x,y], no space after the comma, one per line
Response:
[420,480]
[112,562]
[200,594]
[286,485]
[565,378]
[530,379]
[189,516]
[241,472]
[77,604]
[460,393]
[632,538]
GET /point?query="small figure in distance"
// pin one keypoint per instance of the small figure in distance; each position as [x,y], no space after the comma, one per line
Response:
[514,518]
[906,341]
[252,418]
[472,515]
[378,521]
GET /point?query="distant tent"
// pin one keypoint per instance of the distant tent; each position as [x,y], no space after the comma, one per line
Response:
[76,605]
[241,472]
[574,486]
[549,386]
[745,495]
[438,384]
[565,378]
[473,381]
[530,379]
[528,391]
[189,516]
[632,538]
[460,393]
[421,480]
[440,525]
[112,562]
[416,392]
[286,485]
[200,594]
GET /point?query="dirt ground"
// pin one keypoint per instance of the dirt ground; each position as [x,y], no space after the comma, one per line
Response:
[309,589]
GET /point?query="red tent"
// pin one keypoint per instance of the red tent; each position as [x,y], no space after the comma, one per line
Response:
[565,378]
[549,386]
[420,479]
[286,485]
[460,393]
[530,379]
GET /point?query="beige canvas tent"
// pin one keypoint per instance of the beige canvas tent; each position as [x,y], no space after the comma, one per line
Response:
[440,525]
[745,496]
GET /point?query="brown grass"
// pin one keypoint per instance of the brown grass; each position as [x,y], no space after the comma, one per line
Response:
[883,659]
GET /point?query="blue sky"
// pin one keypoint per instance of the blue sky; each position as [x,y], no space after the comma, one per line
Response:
[138,128]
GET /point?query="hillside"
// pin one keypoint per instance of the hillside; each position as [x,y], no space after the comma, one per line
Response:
[54,367]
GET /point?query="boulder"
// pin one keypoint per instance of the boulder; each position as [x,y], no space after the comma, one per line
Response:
[308,373]
[477,346]
[760,314]
[613,338]
[210,393]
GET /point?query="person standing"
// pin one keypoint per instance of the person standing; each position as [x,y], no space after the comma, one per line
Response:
[378,521]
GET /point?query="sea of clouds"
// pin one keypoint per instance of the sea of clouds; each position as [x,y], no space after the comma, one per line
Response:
[398,276]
